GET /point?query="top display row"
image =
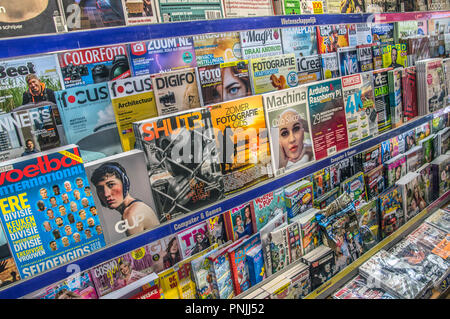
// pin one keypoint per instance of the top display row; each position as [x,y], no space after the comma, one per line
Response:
[38,17]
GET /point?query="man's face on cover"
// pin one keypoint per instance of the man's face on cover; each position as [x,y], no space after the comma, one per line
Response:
[394,55]
[110,191]
[35,86]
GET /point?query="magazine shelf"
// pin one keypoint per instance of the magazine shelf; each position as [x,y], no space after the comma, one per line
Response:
[44,279]
[22,46]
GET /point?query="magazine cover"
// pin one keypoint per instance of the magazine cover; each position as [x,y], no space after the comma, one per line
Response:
[205,283]
[409,93]
[273,73]
[298,198]
[383,33]
[121,271]
[140,12]
[327,117]
[361,113]
[82,15]
[161,55]
[440,219]
[382,103]
[181,10]
[239,221]
[356,188]
[27,132]
[279,248]
[79,286]
[216,48]
[330,65]
[309,69]
[302,41]
[426,182]
[331,37]
[283,7]
[395,97]
[132,100]
[294,235]
[94,65]
[124,202]
[193,240]
[28,81]
[238,8]
[183,161]
[321,182]
[260,43]
[368,224]
[394,56]
[175,91]
[242,142]
[364,33]
[359,288]
[390,207]
[30,17]
[88,119]
[365,57]
[434,88]
[223,82]
[377,54]
[368,159]
[290,129]
[255,263]
[348,60]
[48,225]
[216,229]
[238,266]
[266,207]
[375,182]
[9,273]
[395,168]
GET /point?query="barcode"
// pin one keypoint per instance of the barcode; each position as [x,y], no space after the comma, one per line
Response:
[212,14]
[331,150]
[59,24]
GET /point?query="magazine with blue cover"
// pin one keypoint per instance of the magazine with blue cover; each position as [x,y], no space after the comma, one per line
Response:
[299,40]
[46,210]
[162,55]
[348,61]
[88,119]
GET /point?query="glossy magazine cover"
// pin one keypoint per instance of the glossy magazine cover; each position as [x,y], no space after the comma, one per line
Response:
[299,40]
[48,223]
[216,48]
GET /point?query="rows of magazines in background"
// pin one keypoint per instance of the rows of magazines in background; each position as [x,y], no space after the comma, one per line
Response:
[56,16]
[292,240]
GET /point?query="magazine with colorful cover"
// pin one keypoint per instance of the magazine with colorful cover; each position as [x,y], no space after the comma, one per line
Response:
[132,100]
[183,161]
[242,142]
[409,93]
[260,43]
[255,263]
[375,182]
[377,54]
[27,18]
[88,119]
[27,132]
[223,82]
[330,65]
[279,248]
[356,188]
[395,96]
[299,198]
[78,286]
[383,33]
[413,199]
[216,48]
[365,57]
[10,274]
[432,79]
[284,7]
[47,225]
[131,209]
[278,220]
[239,221]
[216,229]
[348,60]
[267,206]
[140,12]
[368,224]
[94,65]
[440,219]
[84,15]
[175,91]
[309,69]
[121,271]
[390,207]
[190,10]
[15,91]
[359,288]
[331,37]
[395,168]
[242,9]
[161,55]
[302,41]
[382,103]
[327,117]
[313,6]
[426,182]
[360,107]
[238,266]
[394,56]
[193,240]
[364,33]
[287,118]
[321,182]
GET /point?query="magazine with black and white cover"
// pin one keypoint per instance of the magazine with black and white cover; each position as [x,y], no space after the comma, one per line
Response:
[122,194]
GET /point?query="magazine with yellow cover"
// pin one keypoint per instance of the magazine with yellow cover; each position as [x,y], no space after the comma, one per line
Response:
[132,100]
[216,48]
[242,141]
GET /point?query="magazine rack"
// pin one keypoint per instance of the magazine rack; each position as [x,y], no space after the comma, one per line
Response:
[81,39]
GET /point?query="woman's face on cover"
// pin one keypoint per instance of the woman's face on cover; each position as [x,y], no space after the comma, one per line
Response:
[233,86]
[110,191]
[174,247]
[291,135]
